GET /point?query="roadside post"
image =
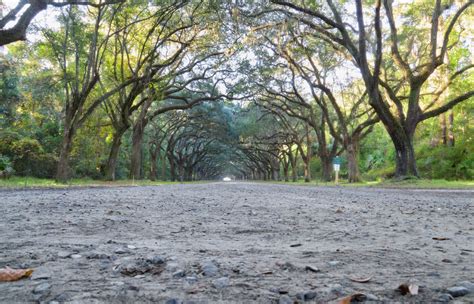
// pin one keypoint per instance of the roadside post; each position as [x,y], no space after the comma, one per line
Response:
[336,163]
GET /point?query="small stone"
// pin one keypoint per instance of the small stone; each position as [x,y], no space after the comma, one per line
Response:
[444,298]
[336,288]
[155,260]
[172,301]
[40,274]
[371,297]
[179,273]
[312,268]
[76,256]
[334,263]
[172,267]
[307,295]
[457,291]
[468,285]
[64,254]
[285,299]
[42,288]
[191,280]
[121,251]
[131,247]
[209,269]
[221,282]
[97,256]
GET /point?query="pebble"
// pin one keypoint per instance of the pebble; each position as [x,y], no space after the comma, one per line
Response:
[468,285]
[307,295]
[173,301]
[371,297]
[42,288]
[457,291]
[40,274]
[209,269]
[121,251]
[444,298]
[191,280]
[334,263]
[179,273]
[172,267]
[284,299]
[97,256]
[64,254]
[336,288]
[131,247]
[76,256]
[156,260]
[221,282]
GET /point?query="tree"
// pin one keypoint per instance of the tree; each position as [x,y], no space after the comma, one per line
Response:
[397,103]
[26,10]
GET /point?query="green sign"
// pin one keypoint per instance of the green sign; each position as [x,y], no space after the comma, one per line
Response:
[336,160]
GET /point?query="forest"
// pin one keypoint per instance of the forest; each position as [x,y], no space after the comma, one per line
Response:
[185,90]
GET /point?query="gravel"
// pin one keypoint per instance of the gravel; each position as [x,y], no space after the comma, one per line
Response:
[242,232]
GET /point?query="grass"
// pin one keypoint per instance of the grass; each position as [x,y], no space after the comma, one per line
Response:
[33,182]
[409,184]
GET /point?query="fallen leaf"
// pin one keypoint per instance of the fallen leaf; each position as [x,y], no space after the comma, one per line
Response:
[405,289]
[357,297]
[440,238]
[8,275]
[361,280]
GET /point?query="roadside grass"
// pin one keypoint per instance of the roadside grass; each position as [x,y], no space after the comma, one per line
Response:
[16,182]
[408,184]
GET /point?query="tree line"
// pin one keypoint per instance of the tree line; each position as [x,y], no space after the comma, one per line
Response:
[187,90]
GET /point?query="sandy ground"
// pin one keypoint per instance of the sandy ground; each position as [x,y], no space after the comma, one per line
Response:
[235,243]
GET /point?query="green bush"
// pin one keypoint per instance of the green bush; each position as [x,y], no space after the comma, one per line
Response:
[443,162]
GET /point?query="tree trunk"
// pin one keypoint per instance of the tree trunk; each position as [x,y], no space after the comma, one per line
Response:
[153,163]
[444,133]
[307,169]
[63,170]
[113,155]
[172,168]
[450,129]
[326,168]
[136,157]
[294,169]
[404,157]
[163,167]
[353,160]
[286,167]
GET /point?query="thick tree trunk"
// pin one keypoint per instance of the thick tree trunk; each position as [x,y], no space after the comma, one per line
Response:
[307,169]
[111,165]
[286,167]
[136,157]
[63,170]
[352,150]
[326,168]
[153,163]
[405,160]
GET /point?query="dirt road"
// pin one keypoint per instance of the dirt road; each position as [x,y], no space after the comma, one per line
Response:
[235,243]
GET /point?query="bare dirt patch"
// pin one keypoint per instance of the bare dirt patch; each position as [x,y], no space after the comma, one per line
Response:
[235,243]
